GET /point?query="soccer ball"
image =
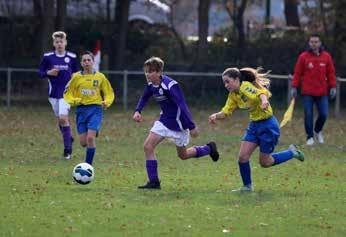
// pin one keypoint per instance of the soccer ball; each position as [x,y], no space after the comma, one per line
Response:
[83,173]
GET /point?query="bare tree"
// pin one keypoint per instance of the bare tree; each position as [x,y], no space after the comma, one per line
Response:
[121,12]
[236,13]
[340,32]
[61,9]
[203,26]
[43,12]
[291,13]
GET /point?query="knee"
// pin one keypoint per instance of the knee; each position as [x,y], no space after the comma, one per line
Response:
[148,148]
[243,158]
[266,163]
[90,140]
[182,156]
[324,116]
[62,121]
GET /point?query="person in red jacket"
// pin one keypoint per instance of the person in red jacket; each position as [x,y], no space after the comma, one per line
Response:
[314,73]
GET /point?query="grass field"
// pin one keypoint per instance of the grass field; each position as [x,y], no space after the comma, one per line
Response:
[39,198]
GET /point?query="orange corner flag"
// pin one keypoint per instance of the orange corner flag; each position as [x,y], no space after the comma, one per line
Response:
[288,114]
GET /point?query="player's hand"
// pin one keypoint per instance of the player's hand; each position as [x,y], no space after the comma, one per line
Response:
[212,118]
[332,93]
[293,92]
[53,72]
[104,105]
[194,132]
[137,117]
[265,104]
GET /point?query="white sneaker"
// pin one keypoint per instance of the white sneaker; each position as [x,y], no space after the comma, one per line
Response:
[244,189]
[319,137]
[310,141]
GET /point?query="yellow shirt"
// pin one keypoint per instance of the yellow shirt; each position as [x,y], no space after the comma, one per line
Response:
[85,89]
[248,98]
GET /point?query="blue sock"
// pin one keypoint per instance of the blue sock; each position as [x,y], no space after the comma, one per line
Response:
[282,156]
[151,166]
[202,151]
[245,173]
[90,152]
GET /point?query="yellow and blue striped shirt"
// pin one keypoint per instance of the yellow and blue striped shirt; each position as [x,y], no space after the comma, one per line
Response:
[86,89]
[248,98]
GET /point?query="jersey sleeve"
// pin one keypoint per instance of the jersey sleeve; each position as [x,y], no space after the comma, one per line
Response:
[70,93]
[178,97]
[74,65]
[43,68]
[252,92]
[144,99]
[298,72]
[108,92]
[229,106]
[331,73]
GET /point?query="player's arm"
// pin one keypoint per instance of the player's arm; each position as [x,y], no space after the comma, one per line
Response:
[227,110]
[178,98]
[43,68]
[71,94]
[144,99]
[252,92]
[141,103]
[74,65]
[43,71]
[108,93]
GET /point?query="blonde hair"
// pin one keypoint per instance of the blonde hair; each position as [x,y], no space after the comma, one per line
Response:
[155,64]
[256,77]
[59,34]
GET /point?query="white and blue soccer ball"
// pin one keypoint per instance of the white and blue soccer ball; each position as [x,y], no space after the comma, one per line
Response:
[83,173]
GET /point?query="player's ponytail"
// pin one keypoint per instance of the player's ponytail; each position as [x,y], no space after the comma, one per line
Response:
[260,80]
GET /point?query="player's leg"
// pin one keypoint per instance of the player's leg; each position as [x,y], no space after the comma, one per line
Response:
[198,151]
[93,122]
[150,143]
[247,147]
[182,139]
[308,102]
[268,139]
[246,150]
[91,146]
[322,107]
[65,128]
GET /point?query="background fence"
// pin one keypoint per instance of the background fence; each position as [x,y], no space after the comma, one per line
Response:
[23,85]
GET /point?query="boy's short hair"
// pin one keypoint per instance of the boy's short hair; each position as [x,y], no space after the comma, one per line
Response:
[59,34]
[87,52]
[154,64]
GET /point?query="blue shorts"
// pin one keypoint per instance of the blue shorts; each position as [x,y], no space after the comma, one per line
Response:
[88,117]
[264,133]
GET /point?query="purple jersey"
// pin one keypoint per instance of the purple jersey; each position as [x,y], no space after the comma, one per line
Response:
[175,114]
[67,65]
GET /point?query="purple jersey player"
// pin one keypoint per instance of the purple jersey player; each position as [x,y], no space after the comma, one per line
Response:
[175,121]
[58,66]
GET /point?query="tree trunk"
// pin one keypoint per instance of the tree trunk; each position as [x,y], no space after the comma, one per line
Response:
[340,33]
[268,14]
[240,23]
[44,14]
[61,9]
[291,13]
[122,9]
[203,25]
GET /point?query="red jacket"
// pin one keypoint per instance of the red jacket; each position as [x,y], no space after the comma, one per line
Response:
[314,73]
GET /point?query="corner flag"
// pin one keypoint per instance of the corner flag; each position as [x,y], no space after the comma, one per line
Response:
[288,114]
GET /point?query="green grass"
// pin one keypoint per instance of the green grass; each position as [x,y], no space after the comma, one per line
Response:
[39,198]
